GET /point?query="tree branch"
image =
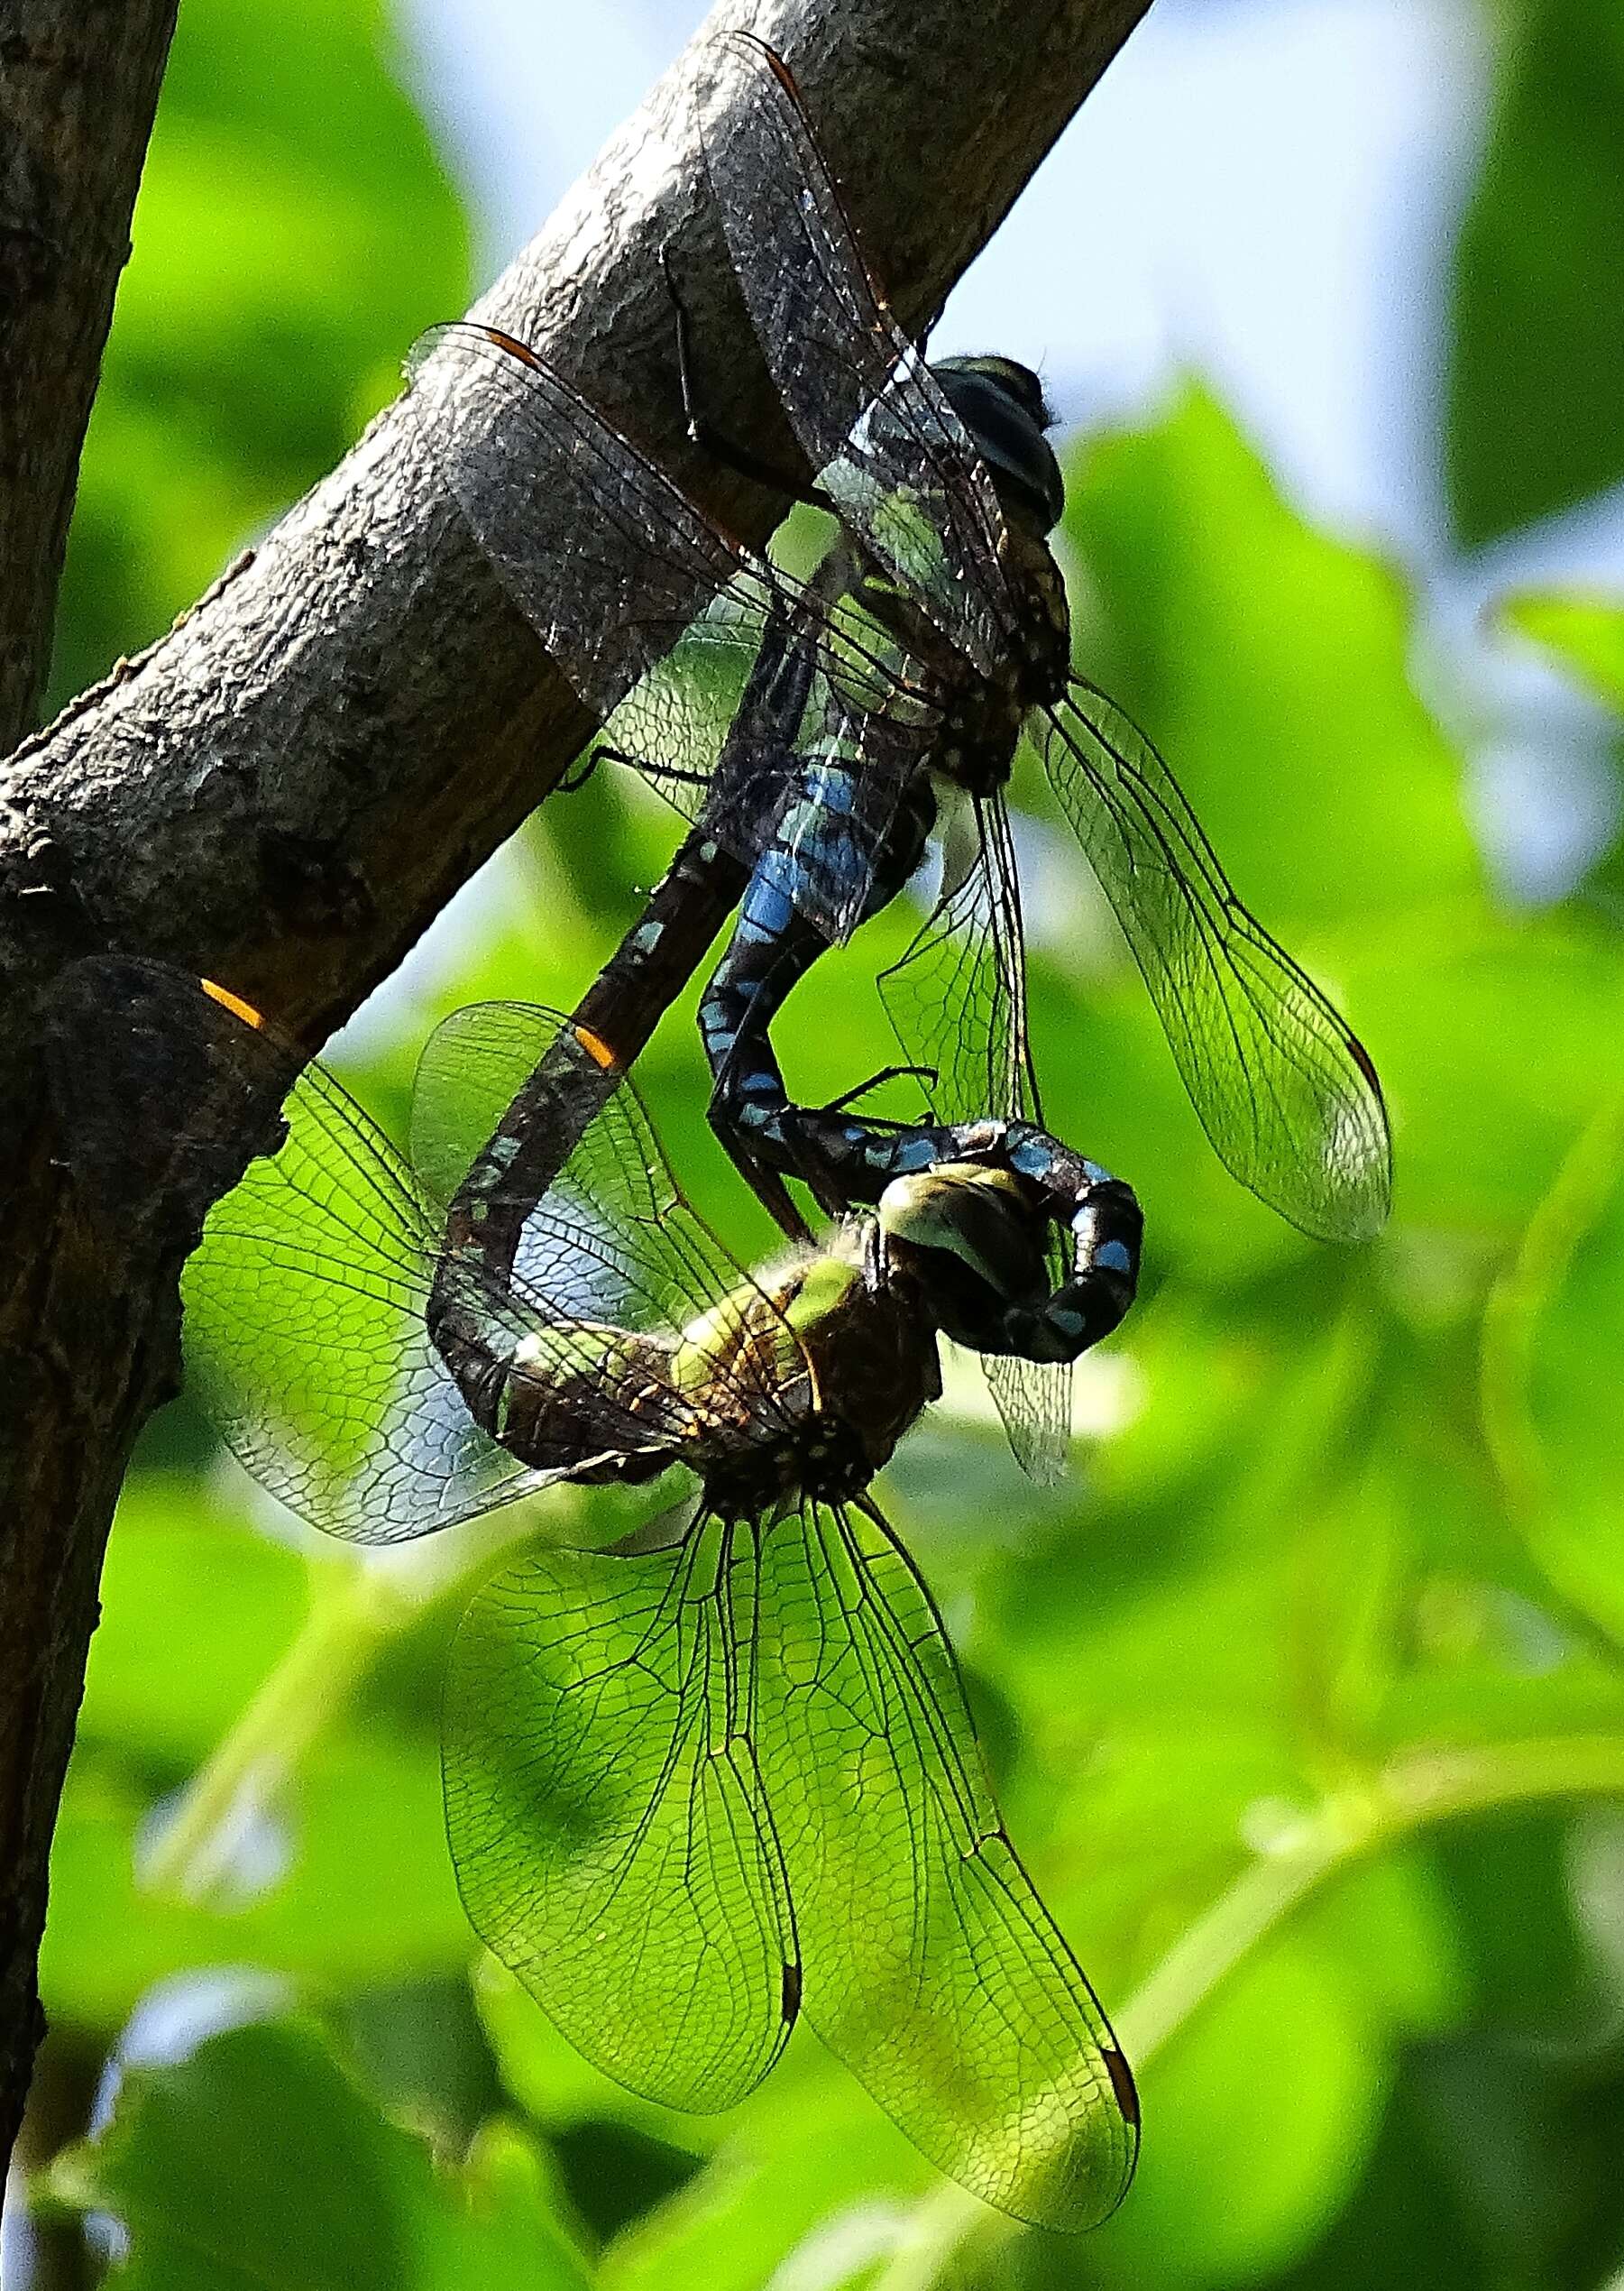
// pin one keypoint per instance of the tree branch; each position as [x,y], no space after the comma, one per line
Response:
[286,788]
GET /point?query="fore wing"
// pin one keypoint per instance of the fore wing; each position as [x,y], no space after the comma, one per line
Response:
[887,448]
[304,1333]
[713,674]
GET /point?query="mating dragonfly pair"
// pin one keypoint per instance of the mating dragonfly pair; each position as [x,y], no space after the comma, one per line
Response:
[809,728]
[723,1774]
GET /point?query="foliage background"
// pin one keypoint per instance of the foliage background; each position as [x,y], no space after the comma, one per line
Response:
[1305,1698]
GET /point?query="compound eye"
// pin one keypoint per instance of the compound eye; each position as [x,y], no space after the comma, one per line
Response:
[980,1220]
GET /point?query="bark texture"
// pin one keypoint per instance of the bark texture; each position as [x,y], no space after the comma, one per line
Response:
[78,84]
[285,790]
[78,87]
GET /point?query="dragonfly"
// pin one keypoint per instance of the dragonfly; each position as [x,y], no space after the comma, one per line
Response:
[721,1775]
[808,728]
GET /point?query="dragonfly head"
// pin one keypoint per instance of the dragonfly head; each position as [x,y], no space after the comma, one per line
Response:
[972,1240]
[1001,403]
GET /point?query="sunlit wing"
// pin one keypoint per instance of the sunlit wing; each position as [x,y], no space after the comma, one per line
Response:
[888,449]
[598,1189]
[1285,1091]
[607,1235]
[304,1301]
[606,1821]
[607,559]
[305,1336]
[957,998]
[932,1967]
[957,1002]
[675,637]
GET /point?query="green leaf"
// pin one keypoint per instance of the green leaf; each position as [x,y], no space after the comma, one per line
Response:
[1569,1285]
[1258,2120]
[257,2164]
[174,1566]
[1584,630]
[1535,379]
[367,1894]
[810,2183]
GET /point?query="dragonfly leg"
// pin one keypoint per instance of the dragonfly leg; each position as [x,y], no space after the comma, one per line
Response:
[843,1161]
[878,1081]
[709,440]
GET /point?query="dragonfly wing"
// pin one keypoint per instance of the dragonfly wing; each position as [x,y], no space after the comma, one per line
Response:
[957,1002]
[957,998]
[1034,1398]
[304,1332]
[933,1969]
[608,1244]
[872,420]
[607,1234]
[654,617]
[606,1815]
[305,1336]
[608,559]
[675,638]
[1285,1091]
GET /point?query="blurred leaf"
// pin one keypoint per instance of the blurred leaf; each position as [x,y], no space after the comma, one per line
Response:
[1258,2118]
[1390,1925]
[1489,1040]
[1527,1974]
[176,1577]
[257,2163]
[807,2147]
[1571,1278]
[355,1888]
[1586,631]
[810,2185]
[294,231]
[1270,665]
[1535,377]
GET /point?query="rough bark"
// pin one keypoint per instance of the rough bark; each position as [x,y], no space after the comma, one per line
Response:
[79,83]
[286,789]
[78,87]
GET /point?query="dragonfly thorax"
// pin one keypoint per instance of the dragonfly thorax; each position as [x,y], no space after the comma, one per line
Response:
[853,1364]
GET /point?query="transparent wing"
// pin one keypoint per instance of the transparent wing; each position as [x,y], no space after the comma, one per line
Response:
[608,559]
[305,1338]
[957,1002]
[309,1297]
[578,1165]
[511,1105]
[607,1820]
[712,674]
[957,999]
[887,447]
[1285,1091]
[303,1299]
[932,1967]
